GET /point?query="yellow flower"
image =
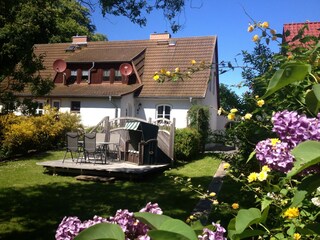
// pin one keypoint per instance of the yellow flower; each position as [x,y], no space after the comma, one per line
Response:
[262,176]
[163,71]
[260,102]
[234,110]
[220,111]
[255,38]
[265,168]
[252,177]
[231,116]
[290,57]
[193,62]
[256,96]
[265,25]
[274,141]
[291,213]
[248,116]
[168,73]
[156,77]
[250,28]
[296,236]
[212,194]
[226,165]
[235,205]
[177,70]
[273,32]
[215,202]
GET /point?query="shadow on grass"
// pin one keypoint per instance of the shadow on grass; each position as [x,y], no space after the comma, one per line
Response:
[35,212]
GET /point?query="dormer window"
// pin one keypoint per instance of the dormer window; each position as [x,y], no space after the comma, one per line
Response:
[106,75]
[85,74]
[117,76]
[73,77]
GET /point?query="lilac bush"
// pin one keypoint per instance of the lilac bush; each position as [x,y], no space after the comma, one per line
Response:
[213,235]
[70,227]
[275,155]
[292,129]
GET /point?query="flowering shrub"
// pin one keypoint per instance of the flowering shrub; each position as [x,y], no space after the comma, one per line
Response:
[149,222]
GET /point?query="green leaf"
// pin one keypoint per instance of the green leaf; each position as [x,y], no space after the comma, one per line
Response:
[252,154]
[265,203]
[167,225]
[178,227]
[313,99]
[154,221]
[247,217]
[306,154]
[102,231]
[310,183]
[298,198]
[289,73]
[264,215]
[165,235]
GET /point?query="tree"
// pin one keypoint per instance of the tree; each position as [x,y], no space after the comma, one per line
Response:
[136,10]
[228,98]
[24,23]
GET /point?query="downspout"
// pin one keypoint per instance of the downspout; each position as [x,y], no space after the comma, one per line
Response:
[89,73]
[116,108]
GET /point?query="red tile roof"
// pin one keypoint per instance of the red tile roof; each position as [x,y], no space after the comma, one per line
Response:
[312,30]
[158,55]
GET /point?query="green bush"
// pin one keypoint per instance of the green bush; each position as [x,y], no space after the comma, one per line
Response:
[22,134]
[186,143]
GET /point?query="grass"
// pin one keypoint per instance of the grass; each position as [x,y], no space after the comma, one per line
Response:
[32,203]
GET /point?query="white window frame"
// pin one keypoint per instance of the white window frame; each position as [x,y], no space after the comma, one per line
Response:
[163,114]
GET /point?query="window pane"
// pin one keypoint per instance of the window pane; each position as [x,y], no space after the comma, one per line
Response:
[106,75]
[75,106]
[117,75]
[56,104]
[73,72]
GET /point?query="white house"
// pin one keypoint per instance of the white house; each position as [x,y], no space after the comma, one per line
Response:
[115,78]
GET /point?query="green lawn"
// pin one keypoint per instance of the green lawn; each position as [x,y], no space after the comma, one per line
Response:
[32,203]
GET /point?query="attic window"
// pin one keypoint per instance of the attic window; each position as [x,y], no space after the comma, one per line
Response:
[172,42]
[71,48]
[85,74]
[117,75]
[106,75]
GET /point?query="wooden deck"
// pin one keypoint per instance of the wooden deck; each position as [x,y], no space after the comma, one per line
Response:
[111,169]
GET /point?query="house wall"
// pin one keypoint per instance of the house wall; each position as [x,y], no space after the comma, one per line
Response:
[93,110]
[179,109]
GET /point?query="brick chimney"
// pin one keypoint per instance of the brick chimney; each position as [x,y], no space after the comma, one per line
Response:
[79,40]
[160,36]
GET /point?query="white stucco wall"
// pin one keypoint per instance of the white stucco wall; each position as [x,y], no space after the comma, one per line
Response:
[179,109]
[93,110]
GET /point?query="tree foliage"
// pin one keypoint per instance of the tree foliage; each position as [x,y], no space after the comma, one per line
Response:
[228,98]
[24,23]
[136,11]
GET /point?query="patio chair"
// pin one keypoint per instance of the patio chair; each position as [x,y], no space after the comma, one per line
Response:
[114,146]
[90,148]
[72,139]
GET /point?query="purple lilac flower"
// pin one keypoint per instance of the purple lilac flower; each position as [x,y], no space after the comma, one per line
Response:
[152,208]
[70,227]
[207,234]
[274,154]
[294,128]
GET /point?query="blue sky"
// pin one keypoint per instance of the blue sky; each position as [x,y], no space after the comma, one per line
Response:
[225,19]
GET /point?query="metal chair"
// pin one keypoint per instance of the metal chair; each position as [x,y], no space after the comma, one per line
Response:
[114,146]
[72,139]
[90,147]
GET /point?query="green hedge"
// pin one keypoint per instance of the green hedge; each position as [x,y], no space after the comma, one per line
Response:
[187,143]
